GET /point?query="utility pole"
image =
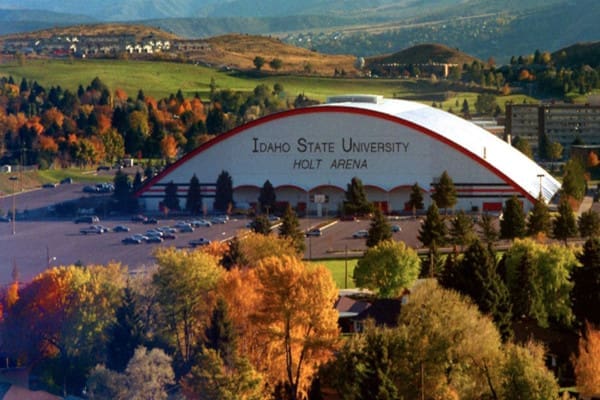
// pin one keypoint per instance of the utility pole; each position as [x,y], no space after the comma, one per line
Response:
[14,203]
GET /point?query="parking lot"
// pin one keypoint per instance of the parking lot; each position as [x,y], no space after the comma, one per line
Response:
[41,242]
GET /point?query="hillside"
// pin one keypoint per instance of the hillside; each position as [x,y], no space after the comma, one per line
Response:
[239,51]
[423,54]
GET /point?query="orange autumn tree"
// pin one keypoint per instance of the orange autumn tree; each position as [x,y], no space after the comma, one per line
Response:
[285,316]
[587,364]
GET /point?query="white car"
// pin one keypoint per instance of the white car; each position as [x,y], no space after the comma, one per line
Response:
[201,222]
[363,233]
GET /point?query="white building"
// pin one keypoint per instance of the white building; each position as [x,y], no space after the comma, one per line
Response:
[388,144]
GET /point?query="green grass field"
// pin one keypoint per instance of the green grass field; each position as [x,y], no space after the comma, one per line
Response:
[338,268]
[161,79]
[32,179]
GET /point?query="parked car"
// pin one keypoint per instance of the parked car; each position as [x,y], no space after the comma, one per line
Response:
[201,222]
[363,233]
[5,218]
[93,229]
[218,220]
[131,240]
[185,228]
[314,232]
[66,181]
[169,235]
[150,221]
[90,189]
[50,185]
[87,219]
[121,228]
[154,239]
[396,228]
[199,242]
[138,218]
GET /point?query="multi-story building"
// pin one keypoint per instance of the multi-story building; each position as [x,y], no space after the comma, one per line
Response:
[562,123]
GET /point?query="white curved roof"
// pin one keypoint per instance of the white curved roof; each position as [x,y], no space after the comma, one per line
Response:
[472,139]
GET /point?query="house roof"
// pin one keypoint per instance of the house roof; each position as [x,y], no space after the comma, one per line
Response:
[383,312]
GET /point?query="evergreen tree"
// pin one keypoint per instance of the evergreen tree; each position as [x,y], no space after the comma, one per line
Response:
[512,224]
[220,334]
[476,276]
[431,265]
[137,181]
[261,225]
[193,202]
[524,292]
[122,192]
[489,232]
[586,279]
[215,120]
[171,200]
[266,197]
[433,229]
[125,334]
[290,228]
[565,225]
[448,274]
[356,202]
[461,229]
[379,230]
[415,201]
[224,192]
[233,256]
[445,192]
[539,218]
[589,224]
[573,183]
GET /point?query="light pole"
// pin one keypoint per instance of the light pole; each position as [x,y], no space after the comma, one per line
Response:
[540,176]
[14,202]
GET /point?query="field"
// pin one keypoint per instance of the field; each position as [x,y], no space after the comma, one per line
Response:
[161,79]
[338,268]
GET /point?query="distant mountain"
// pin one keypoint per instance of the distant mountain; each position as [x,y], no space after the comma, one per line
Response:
[483,28]
[13,21]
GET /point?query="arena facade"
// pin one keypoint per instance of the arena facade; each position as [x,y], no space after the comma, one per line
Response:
[311,154]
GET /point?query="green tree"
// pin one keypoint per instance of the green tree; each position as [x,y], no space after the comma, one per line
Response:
[171,199]
[137,181]
[433,229]
[539,218]
[290,228]
[224,192]
[211,378]
[258,62]
[261,224]
[589,224]
[184,281]
[489,232]
[586,283]
[126,334]
[573,183]
[445,192]
[193,201]
[524,374]
[233,256]
[465,108]
[565,224]
[356,202]
[220,334]
[512,224]
[122,192]
[442,348]
[387,269]
[267,197]
[461,229]
[538,279]
[485,104]
[275,64]
[415,201]
[523,146]
[380,229]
